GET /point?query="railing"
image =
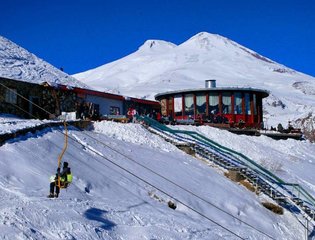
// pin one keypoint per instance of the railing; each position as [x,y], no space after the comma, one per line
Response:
[199,139]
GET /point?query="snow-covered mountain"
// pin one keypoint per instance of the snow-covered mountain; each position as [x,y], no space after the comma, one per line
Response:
[19,64]
[159,66]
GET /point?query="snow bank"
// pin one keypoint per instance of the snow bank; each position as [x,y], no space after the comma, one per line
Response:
[133,133]
[106,202]
[11,123]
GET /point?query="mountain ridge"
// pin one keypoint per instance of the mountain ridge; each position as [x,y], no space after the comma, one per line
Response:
[19,64]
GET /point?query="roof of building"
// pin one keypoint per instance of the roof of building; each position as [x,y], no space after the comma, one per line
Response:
[264,93]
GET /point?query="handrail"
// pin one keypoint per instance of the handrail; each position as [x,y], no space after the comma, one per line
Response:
[220,148]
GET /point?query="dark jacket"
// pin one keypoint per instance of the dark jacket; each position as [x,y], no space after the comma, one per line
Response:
[63,173]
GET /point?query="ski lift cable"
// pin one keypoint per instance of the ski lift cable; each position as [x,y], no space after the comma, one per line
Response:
[201,214]
[101,162]
[179,186]
[144,167]
[168,194]
[127,157]
[128,171]
[134,175]
[160,190]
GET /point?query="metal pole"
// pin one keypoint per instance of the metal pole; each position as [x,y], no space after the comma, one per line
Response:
[306,230]
[62,153]
[256,190]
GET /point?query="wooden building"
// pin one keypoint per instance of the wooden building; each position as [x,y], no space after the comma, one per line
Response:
[20,98]
[234,106]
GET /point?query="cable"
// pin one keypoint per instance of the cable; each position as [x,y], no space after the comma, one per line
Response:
[152,185]
[147,169]
[174,183]
[101,162]
[145,181]
[201,214]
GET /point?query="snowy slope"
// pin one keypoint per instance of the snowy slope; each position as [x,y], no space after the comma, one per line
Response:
[160,66]
[105,202]
[291,160]
[10,123]
[19,64]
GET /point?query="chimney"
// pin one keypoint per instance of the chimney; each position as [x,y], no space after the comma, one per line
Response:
[210,83]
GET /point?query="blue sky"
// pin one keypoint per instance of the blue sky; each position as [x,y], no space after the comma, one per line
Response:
[82,34]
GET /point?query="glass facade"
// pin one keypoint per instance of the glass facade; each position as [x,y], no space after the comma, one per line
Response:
[210,103]
[178,106]
[189,104]
[213,103]
[255,103]
[11,96]
[201,103]
[170,106]
[247,104]
[238,103]
[164,107]
[226,103]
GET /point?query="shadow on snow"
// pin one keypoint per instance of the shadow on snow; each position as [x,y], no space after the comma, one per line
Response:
[96,214]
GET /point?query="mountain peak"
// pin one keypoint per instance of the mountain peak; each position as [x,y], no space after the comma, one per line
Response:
[215,42]
[205,40]
[202,35]
[157,46]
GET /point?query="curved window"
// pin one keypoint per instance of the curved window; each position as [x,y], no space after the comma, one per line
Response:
[238,103]
[189,104]
[178,106]
[11,96]
[255,103]
[226,103]
[247,104]
[170,106]
[163,107]
[201,103]
[213,103]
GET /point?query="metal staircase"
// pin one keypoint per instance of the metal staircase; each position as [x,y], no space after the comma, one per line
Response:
[289,195]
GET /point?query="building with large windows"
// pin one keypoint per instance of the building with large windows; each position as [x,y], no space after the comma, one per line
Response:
[215,105]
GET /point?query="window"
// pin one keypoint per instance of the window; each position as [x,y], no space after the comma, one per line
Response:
[254,103]
[213,103]
[10,96]
[238,103]
[247,104]
[170,106]
[201,104]
[189,104]
[226,103]
[164,107]
[114,110]
[178,107]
